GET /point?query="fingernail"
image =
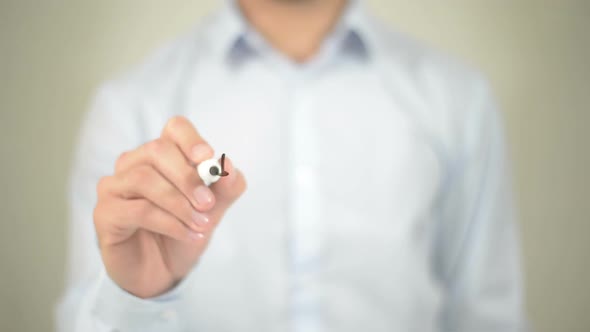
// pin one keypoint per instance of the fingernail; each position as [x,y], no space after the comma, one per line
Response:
[200,219]
[201,152]
[203,196]
[195,235]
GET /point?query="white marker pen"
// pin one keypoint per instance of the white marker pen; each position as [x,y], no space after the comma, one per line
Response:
[210,171]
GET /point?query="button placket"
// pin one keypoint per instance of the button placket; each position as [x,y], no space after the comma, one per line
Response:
[305,223]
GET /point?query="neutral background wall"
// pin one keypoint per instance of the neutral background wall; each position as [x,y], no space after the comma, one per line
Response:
[53,54]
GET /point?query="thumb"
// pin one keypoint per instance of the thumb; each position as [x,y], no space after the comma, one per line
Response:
[228,189]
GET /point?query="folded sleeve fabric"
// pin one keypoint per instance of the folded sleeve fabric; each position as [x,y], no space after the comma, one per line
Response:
[477,257]
[115,307]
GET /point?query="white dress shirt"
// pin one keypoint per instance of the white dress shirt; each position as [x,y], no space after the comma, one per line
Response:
[378,197]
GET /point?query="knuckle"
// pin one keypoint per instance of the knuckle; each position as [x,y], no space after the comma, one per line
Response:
[142,174]
[139,177]
[97,215]
[139,209]
[102,185]
[100,215]
[175,122]
[121,160]
[156,147]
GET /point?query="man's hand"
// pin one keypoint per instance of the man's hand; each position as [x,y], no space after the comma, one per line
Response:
[154,216]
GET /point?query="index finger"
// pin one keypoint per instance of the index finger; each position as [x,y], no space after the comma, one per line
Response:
[182,132]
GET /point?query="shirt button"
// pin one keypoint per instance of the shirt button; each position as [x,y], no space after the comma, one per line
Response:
[169,315]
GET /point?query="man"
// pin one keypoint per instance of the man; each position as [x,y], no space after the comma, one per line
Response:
[376,198]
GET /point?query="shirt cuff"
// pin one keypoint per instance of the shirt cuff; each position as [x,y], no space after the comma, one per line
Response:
[125,312]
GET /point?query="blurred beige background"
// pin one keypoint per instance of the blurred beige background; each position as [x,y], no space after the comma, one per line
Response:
[53,54]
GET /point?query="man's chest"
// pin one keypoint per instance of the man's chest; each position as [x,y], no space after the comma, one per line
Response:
[341,189]
[342,148]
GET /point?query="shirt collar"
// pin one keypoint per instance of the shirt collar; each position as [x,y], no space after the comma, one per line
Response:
[235,40]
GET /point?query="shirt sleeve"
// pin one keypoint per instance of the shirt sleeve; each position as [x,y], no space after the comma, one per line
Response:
[477,254]
[92,302]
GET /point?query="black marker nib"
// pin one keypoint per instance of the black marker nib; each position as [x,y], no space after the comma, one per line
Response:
[223,172]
